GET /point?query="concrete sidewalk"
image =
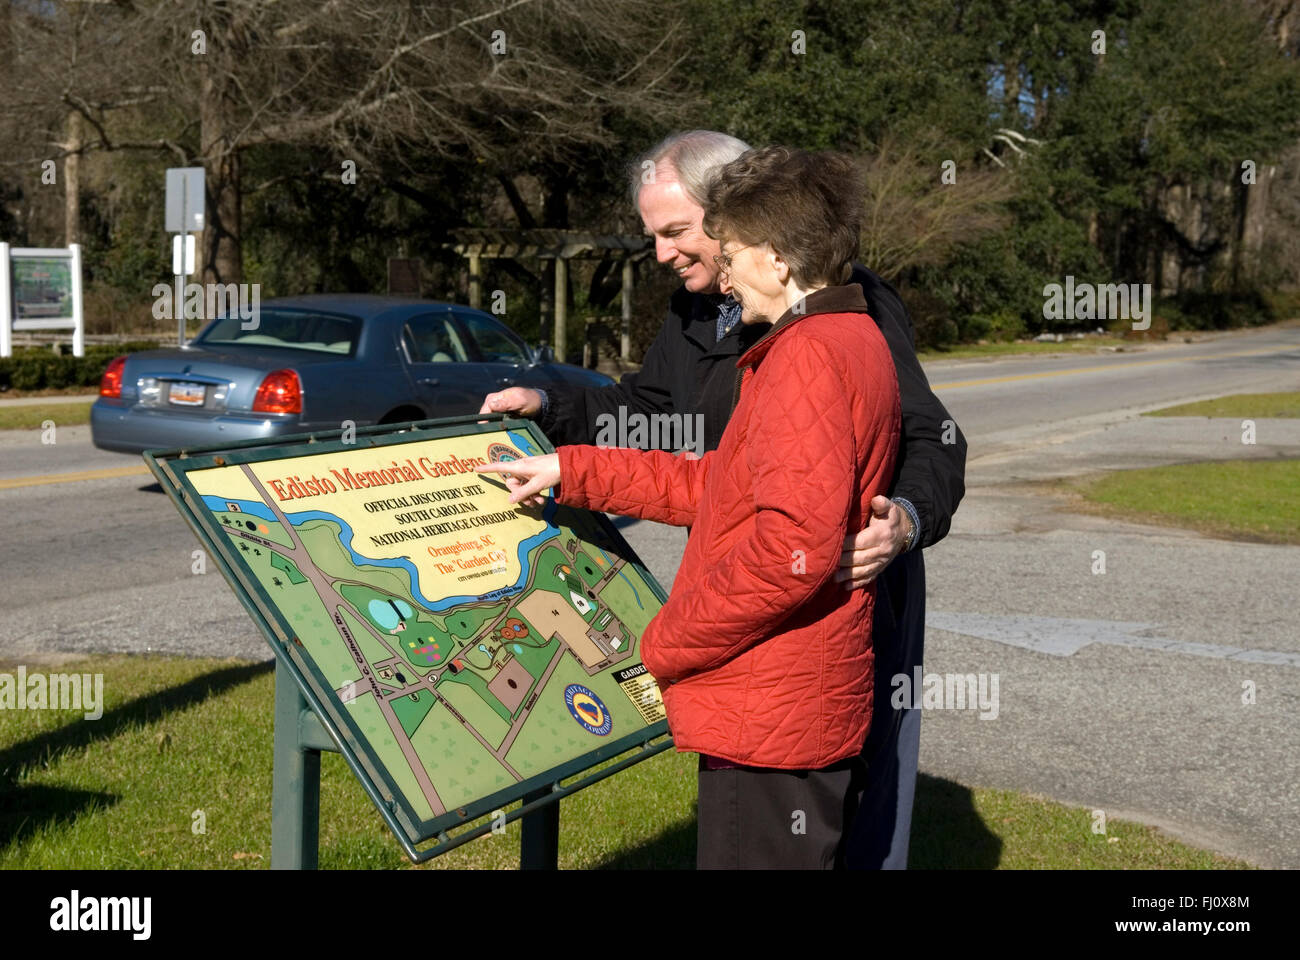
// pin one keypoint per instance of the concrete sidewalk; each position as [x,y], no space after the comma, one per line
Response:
[56,398]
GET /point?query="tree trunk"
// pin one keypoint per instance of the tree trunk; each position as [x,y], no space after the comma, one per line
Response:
[1173,203]
[1192,228]
[1254,220]
[1011,94]
[6,42]
[222,254]
[223,258]
[1256,217]
[72,181]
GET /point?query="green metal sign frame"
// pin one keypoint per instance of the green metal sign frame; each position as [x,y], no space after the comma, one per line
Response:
[334,727]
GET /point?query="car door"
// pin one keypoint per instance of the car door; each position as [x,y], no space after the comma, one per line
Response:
[444,377]
[503,358]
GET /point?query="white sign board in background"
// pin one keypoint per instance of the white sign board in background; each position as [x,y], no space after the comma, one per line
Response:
[40,289]
[183,254]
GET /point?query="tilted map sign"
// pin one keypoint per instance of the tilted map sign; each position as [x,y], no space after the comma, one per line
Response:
[466,648]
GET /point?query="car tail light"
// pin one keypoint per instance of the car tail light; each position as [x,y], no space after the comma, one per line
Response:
[280,392]
[110,384]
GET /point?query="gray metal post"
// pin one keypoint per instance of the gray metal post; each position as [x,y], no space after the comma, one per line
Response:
[295,791]
[295,786]
[182,206]
[180,300]
[180,274]
[539,842]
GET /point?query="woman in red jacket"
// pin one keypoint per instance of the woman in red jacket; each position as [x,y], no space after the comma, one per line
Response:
[764,661]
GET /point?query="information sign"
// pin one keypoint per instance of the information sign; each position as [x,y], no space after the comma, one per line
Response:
[466,650]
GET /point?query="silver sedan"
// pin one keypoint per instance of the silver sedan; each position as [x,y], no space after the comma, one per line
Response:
[312,363]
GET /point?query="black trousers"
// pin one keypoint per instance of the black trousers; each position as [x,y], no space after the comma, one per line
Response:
[879,835]
[857,814]
[752,818]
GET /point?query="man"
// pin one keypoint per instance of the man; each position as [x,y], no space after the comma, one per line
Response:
[690,368]
[746,633]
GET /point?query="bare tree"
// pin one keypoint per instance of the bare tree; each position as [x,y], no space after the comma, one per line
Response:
[503,81]
[913,217]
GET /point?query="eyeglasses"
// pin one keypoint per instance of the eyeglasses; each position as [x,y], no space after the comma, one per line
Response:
[723,260]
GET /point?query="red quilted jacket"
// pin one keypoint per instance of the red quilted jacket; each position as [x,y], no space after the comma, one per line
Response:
[763,659]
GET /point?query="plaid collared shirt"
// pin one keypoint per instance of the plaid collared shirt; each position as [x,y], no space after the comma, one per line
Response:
[728,316]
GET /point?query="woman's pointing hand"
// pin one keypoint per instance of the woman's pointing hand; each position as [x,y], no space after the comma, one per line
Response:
[527,478]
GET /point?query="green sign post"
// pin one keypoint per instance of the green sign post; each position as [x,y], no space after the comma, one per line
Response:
[461,653]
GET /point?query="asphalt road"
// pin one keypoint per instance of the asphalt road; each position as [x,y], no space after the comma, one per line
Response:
[1120,691]
[1124,692]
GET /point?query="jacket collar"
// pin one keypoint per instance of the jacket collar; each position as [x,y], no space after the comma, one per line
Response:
[701,319]
[701,328]
[839,299]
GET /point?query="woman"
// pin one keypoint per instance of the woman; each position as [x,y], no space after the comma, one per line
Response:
[764,661]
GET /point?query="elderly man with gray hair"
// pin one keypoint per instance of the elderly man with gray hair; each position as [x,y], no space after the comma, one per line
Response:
[690,368]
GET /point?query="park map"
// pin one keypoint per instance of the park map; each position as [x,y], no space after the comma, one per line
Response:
[474,643]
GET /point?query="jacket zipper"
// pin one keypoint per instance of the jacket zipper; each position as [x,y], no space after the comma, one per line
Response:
[735,396]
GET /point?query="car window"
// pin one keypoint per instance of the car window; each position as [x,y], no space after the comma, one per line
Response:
[433,338]
[284,327]
[495,343]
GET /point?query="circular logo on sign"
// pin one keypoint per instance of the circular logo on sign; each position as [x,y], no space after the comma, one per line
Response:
[498,452]
[588,710]
[503,453]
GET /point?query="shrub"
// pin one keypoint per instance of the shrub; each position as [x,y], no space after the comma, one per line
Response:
[27,375]
[35,368]
[1213,310]
[1000,326]
[1284,304]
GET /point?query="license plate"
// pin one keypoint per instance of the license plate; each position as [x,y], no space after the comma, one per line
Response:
[186,394]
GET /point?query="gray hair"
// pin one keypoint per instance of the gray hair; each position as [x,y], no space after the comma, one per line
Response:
[695,156]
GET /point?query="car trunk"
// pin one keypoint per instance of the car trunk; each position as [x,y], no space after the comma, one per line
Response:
[204,380]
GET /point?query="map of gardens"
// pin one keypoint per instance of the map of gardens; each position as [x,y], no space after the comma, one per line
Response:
[475,644]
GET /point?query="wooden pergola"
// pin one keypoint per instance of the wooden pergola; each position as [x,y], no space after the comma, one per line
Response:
[479,244]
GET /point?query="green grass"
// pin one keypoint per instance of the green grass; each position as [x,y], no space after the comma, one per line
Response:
[1256,500]
[1261,405]
[961,351]
[32,416]
[180,735]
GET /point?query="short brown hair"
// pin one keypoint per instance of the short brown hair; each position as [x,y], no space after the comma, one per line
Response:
[807,206]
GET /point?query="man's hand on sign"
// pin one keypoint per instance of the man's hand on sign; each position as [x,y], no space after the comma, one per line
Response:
[521,400]
[869,551]
[527,478]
